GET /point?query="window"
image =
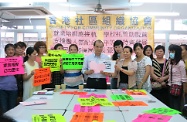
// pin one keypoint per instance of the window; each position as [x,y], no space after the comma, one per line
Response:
[162,24]
[28,27]
[40,27]
[180,24]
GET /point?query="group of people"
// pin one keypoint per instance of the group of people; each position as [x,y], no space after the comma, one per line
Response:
[163,78]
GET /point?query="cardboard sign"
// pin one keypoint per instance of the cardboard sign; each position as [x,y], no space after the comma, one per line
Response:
[152,118]
[73,92]
[136,92]
[121,97]
[163,110]
[72,61]
[87,117]
[11,66]
[109,65]
[52,62]
[42,76]
[130,103]
[48,118]
[56,53]
[78,108]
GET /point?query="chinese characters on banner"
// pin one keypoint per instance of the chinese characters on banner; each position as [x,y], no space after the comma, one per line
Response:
[42,76]
[83,30]
[11,66]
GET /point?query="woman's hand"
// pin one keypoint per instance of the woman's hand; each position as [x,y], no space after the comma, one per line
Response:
[117,67]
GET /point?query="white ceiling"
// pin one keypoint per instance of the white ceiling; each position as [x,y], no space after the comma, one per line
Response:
[81,7]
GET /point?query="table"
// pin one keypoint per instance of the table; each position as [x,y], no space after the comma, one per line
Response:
[106,92]
[59,101]
[64,104]
[24,114]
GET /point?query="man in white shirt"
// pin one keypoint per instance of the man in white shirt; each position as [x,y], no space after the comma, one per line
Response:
[95,80]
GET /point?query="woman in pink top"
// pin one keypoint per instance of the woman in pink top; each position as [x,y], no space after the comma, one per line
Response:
[40,47]
[177,76]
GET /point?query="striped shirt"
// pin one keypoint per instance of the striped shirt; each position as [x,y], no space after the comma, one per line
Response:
[73,77]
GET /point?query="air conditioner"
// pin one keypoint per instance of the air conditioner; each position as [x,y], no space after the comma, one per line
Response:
[25,11]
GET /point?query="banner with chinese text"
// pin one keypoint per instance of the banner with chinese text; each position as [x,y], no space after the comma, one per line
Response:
[83,30]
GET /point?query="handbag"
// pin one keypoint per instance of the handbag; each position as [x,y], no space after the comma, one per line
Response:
[175,89]
[158,85]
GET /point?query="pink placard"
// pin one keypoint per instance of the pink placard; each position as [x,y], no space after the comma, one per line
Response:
[96,66]
[152,118]
[95,95]
[78,108]
[11,66]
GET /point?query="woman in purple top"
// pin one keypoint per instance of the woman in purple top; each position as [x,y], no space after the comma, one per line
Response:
[8,85]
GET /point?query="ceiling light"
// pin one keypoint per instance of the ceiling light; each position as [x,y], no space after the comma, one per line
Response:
[37,1]
[153,13]
[158,1]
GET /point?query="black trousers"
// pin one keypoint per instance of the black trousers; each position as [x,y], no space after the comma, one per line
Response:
[96,83]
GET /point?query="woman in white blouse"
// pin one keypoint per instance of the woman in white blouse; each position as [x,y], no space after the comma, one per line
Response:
[144,64]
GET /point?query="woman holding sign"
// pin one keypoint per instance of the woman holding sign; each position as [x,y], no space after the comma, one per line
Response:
[30,66]
[118,52]
[73,78]
[126,70]
[8,85]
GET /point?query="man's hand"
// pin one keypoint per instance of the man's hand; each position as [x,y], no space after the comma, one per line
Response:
[89,72]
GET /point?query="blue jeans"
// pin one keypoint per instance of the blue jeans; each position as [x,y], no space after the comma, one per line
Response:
[113,83]
[7,100]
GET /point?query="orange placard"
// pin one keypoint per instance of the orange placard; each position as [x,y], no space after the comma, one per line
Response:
[87,117]
[136,92]
[42,76]
[130,103]
[73,92]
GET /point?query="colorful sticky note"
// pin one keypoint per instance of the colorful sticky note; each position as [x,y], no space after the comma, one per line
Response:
[136,92]
[121,97]
[78,108]
[52,62]
[73,92]
[87,117]
[42,76]
[48,118]
[92,101]
[94,95]
[163,110]
[56,53]
[152,118]
[130,103]
[72,61]
[11,66]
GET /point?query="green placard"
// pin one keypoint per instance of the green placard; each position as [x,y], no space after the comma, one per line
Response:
[52,62]
[72,61]
[48,118]
[163,110]
[121,97]
[56,53]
